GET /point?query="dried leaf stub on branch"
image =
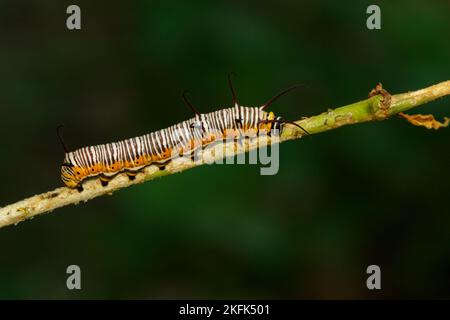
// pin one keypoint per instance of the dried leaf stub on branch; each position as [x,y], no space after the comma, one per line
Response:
[425,120]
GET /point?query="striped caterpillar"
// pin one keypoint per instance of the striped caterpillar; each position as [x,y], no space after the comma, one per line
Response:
[160,147]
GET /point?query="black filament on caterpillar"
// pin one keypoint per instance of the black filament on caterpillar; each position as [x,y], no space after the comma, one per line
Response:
[158,148]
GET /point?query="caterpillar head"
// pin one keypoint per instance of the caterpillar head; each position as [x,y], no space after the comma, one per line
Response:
[275,122]
[267,121]
[278,124]
[272,122]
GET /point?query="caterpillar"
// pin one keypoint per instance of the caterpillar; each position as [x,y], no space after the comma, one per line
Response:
[158,148]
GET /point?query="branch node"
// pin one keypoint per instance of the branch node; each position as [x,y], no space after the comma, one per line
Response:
[381,106]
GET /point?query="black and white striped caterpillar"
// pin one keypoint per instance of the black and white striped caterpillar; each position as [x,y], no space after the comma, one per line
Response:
[160,147]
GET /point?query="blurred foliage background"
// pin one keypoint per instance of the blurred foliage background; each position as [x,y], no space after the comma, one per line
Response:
[375,193]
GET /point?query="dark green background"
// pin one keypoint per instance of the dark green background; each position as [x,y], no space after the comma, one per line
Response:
[375,193]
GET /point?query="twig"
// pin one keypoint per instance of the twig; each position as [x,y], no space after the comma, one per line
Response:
[379,106]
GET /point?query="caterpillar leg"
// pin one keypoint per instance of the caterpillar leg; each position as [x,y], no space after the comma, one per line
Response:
[192,155]
[131,175]
[80,188]
[162,165]
[104,180]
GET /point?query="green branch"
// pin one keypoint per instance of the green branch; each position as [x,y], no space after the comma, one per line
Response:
[379,106]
